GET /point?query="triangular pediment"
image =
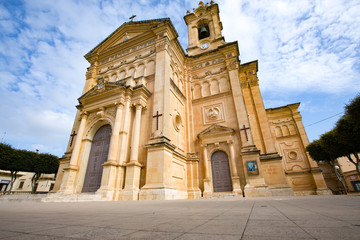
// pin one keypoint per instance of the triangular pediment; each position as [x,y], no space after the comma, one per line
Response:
[215,130]
[101,88]
[126,32]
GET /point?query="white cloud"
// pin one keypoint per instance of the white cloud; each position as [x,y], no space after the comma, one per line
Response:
[313,45]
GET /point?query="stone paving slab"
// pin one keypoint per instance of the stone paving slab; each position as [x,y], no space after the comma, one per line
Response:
[312,217]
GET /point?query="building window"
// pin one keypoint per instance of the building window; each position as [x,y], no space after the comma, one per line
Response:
[21,184]
[203,31]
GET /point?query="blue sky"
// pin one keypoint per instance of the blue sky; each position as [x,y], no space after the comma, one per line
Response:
[308,52]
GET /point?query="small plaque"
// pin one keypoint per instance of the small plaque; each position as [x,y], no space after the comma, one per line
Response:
[252,168]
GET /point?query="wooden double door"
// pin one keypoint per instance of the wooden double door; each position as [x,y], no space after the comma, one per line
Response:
[98,155]
[221,172]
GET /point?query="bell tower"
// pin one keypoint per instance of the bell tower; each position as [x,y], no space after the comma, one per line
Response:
[204,28]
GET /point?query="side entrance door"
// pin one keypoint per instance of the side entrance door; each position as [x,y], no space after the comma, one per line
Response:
[221,172]
[98,155]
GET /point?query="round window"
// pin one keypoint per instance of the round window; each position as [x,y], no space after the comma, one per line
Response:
[177,122]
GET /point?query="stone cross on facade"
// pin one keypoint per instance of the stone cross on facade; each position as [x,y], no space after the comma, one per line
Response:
[157,119]
[72,137]
[244,129]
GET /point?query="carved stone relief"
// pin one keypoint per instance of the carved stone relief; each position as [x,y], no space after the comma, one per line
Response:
[210,73]
[293,156]
[111,112]
[213,113]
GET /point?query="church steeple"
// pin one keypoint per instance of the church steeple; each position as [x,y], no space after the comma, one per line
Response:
[204,28]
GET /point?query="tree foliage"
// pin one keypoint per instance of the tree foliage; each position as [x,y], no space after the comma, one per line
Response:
[352,111]
[317,152]
[343,140]
[15,160]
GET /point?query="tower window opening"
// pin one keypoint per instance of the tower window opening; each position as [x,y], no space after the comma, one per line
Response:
[203,31]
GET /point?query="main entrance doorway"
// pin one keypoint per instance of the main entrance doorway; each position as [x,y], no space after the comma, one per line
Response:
[98,155]
[221,172]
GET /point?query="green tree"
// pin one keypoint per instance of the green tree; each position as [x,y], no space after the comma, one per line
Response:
[349,137]
[317,152]
[14,160]
[11,160]
[327,149]
[352,111]
[335,149]
[42,163]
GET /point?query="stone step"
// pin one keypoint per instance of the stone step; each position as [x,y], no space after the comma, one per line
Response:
[23,197]
[222,195]
[81,197]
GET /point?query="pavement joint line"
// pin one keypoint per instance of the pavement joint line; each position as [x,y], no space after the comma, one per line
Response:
[228,209]
[291,220]
[247,221]
[321,214]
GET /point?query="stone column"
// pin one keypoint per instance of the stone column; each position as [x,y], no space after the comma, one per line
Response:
[114,141]
[133,168]
[136,135]
[70,172]
[207,183]
[193,176]
[110,166]
[234,174]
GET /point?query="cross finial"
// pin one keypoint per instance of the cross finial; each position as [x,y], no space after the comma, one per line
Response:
[132,18]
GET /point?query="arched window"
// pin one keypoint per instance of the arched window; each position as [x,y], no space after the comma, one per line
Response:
[113,78]
[122,75]
[140,70]
[131,72]
[205,89]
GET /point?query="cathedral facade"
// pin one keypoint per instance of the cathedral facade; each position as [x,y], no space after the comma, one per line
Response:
[156,122]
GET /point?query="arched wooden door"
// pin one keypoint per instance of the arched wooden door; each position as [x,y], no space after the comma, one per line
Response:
[221,172]
[98,155]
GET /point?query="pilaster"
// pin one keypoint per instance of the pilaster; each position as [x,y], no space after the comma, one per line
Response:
[234,174]
[194,191]
[69,178]
[133,168]
[159,185]
[108,180]
[161,92]
[255,184]
[207,181]
[240,108]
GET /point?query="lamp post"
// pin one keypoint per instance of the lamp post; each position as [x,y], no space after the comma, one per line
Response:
[338,175]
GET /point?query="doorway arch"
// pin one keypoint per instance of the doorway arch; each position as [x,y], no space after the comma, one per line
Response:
[98,155]
[221,172]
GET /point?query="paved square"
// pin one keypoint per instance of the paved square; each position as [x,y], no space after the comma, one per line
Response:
[312,217]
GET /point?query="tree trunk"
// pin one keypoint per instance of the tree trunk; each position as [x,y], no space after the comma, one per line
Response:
[355,162]
[34,179]
[337,173]
[12,180]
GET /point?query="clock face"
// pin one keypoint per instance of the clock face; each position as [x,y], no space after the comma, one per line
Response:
[204,45]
